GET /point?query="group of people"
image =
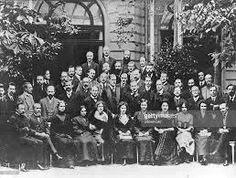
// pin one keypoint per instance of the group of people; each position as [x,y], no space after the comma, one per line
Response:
[96,114]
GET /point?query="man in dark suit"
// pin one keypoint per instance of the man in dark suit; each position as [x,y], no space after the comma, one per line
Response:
[49,103]
[117,71]
[142,67]
[28,148]
[39,89]
[107,59]
[226,125]
[126,60]
[160,96]
[214,101]
[133,98]
[151,73]
[91,100]
[90,64]
[83,89]
[205,91]
[69,97]
[111,94]
[201,80]
[26,98]
[60,87]
[147,92]
[40,126]
[178,100]
[195,99]
[167,87]
[230,98]
[11,99]
[187,92]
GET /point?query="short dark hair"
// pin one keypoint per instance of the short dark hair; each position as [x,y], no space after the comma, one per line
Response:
[230,86]
[25,85]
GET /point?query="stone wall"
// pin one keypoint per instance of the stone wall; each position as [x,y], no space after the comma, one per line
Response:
[136,44]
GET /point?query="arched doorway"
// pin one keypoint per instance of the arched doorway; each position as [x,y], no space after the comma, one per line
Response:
[87,15]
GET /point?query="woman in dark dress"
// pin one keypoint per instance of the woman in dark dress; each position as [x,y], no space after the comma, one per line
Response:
[166,148]
[101,123]
[61,128]
[143,135]
[85,143]
[124,130]
[202,121]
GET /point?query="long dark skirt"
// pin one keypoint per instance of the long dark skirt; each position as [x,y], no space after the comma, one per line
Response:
[201,145]
[218,146]
[145,149]
[166,149]
[86,148]
[126,149]
[65,148]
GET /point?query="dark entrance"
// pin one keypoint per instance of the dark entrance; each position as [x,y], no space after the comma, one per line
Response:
[88,17]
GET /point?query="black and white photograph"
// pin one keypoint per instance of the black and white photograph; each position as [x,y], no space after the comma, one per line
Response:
[117,88]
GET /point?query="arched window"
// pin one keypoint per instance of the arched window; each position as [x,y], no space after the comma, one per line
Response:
[88,16]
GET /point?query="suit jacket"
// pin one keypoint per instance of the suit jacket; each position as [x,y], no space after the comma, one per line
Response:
[168,88]
[28,101]
[157,100]
[111,99]
[38,124]
[86,68]
[111,63]
[90,103]
[202,84]
[10,105]
[178,103]
[210,102]
[49,109]
[230,102]
[71,103]
[81,92]
[39,92]
[194,105]
[205,91]
[133,102]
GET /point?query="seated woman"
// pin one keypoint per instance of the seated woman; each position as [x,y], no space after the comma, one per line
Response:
[124,130]
[61,128]
[184,124]
[85,143]
[143,135]
[202,120]
[101,123]
[164,136]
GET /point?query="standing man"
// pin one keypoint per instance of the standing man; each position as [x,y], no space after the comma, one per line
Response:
[27,99]
[201,80]
[106,58]
[90,64]
[206,89]
[111,94]
[39,90]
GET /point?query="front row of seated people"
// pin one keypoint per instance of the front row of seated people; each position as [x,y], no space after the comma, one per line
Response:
[99,136]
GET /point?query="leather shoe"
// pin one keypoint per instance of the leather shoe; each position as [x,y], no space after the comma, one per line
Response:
[203,162]
[58,156]
[23,168]
[226,163]
[42,168]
